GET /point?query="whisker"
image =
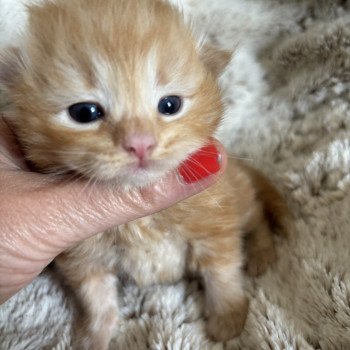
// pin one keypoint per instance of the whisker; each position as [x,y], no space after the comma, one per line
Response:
[240,158]
[195,175]
[229,155]
[65,152]
[92,185]
[194,161]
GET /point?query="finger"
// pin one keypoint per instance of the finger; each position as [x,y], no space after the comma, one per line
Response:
[41,221]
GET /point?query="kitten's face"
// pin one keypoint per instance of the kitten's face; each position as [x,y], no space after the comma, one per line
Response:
[114,90]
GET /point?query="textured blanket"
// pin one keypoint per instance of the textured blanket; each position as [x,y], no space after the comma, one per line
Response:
[288,112]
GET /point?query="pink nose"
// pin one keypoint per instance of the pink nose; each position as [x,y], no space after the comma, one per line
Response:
[140,145]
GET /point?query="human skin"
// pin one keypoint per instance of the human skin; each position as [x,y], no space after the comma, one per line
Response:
[40,216]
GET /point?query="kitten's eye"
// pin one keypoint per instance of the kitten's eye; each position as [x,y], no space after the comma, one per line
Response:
[169,105]
[85,112]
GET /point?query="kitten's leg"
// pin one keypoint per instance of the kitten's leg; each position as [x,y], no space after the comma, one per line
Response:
[268,212]
[226,305]
[259,243]
[95,291]
[260,250]
[98,298]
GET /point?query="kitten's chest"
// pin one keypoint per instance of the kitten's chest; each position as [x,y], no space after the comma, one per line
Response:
[151,251]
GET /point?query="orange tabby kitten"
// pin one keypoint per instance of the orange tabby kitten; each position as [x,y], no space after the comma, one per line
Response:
[120,91]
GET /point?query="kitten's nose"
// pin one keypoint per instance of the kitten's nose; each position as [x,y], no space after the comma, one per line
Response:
[141,145]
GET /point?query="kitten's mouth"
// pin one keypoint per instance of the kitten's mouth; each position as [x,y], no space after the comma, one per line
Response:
[140,166]
[150,170]
[137,174]
[145,169]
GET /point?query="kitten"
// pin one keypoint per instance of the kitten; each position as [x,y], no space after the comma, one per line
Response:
[120,91]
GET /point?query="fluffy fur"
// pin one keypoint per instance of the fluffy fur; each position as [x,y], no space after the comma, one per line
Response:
[126,55]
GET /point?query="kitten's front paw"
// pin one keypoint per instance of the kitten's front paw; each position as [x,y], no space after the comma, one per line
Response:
[259,261]
[223,327]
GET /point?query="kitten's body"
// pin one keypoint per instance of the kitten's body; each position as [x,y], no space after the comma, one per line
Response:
[200,236]
[140,52]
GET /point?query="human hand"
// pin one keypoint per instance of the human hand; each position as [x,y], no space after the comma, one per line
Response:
[41,217]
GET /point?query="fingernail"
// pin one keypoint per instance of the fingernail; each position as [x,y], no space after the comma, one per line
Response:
[206,161]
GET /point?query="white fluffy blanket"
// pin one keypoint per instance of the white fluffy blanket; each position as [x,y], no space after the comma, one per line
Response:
[287,90]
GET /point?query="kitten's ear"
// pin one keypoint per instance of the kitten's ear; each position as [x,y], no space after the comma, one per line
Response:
[215,59]
[12,62]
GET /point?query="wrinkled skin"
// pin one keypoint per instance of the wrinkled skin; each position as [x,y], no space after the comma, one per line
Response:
[41,216]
